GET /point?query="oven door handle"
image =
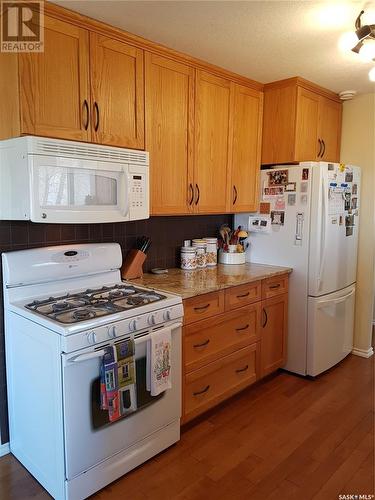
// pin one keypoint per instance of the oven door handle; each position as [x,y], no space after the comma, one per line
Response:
[147,337]
[88,355]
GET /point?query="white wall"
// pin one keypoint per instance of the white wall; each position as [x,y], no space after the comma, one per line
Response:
[358,148]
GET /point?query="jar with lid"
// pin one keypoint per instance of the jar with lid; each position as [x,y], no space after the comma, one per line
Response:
[188,258]
[211,251]
[200,246]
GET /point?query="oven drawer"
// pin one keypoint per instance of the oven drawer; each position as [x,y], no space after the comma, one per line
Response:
[276,285]
[203,306]
[217,381]
[242,295]
[207,340]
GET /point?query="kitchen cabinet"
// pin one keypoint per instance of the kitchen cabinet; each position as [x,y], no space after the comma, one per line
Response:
[117,88]
[231,338]
[54,84]
[169,134]
[302,122]
[247,139]
[212,143]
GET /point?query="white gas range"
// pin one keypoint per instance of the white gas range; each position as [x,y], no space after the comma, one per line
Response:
[63,307]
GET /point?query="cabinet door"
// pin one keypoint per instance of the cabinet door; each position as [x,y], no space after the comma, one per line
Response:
[212,143]
[307,145]
[169,129]
[117,88]
[247,137]
[274,333]
[54,84]
[330,128]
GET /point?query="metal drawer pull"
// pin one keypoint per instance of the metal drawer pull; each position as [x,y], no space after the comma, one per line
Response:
[243,295]
[275,286]
[243,328]
[192,194]
[201,308]
[265,318]
[242,369]
[201,392]
[86,108]
[203,344]
[96,109]
[324,148]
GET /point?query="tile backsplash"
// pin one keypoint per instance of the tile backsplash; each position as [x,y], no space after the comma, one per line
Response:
[166,233]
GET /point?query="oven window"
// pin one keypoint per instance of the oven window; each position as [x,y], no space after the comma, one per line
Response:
[67,187]
[144,398]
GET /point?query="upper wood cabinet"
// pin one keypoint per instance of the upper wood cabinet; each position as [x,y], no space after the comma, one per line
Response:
[212,143]
[169,134]
[302,122]
[117,92]
[247,140]
[54,84]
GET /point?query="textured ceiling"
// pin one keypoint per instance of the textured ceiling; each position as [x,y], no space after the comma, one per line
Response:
[264,40]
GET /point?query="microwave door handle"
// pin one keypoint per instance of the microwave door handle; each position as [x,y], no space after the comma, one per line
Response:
[125,208]
[88,355]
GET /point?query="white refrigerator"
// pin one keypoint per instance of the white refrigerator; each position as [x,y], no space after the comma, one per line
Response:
[308,220]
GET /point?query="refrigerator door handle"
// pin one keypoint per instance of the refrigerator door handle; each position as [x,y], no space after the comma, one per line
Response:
[323,303]
[323,229]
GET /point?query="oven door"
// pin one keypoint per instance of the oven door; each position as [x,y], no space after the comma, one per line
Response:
[89,437]
[68,190]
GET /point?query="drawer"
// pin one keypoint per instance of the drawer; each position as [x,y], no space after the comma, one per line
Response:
[207,340]
[274,286]
[203,306]
[217,381]
[242,295]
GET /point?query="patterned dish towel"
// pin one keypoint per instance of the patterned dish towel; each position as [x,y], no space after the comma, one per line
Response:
[159,351]
[117,380]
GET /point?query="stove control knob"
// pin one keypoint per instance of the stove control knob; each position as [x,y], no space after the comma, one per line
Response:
[151,319]
[167,315]
[112,333]
[133,325]
[91,337]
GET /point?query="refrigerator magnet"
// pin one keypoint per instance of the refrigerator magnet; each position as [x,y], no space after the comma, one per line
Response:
[341,220]
[348,176]
[277,177]
[273,191]
[291,199]
[264,208]
[304,187]
[303,199]
[277,218]
[291,186]
[349,231]
[305,174]
[347,198]
[354,189]
[280,203]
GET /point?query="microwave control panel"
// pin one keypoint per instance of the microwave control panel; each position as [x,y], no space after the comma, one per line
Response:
[138,193]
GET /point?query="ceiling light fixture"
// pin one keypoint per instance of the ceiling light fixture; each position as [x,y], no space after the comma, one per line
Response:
[363,32]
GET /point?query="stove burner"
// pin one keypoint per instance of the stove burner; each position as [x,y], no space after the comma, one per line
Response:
[135,301]
[81,314]
[60,306]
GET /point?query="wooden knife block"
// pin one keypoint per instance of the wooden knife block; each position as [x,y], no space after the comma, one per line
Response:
[132,266]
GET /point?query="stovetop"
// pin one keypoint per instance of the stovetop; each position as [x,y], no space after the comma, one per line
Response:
[93,303]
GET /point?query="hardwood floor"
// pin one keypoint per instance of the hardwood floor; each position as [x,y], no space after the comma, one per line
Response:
[285,438]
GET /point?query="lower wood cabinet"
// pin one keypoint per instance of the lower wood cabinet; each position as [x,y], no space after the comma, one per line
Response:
[230,342]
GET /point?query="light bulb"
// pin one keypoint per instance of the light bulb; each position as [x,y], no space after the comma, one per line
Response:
[371,74]
[348,41]
[367,52]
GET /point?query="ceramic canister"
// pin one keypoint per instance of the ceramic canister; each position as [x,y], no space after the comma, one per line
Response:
[211,251]
[188,258]
[200,246]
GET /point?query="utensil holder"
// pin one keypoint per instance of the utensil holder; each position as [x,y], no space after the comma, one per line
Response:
[132,266]
[232,258]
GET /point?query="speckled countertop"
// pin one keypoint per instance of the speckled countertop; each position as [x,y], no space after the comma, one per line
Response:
[192,283]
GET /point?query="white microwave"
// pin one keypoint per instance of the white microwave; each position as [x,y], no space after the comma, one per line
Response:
[58,181]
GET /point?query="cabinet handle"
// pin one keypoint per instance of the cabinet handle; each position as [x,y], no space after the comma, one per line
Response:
[203,344]
[201,308]
[242,369]
[275,286]
[243,295]
[192,193]
[201,392]
[86,108]
[96,109]
[242,328]
[320,147]
[265,317]
[198,194]
[324,148]
[234,195]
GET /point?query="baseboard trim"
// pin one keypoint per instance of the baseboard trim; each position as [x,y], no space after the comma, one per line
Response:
[364,353]
[4,449]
